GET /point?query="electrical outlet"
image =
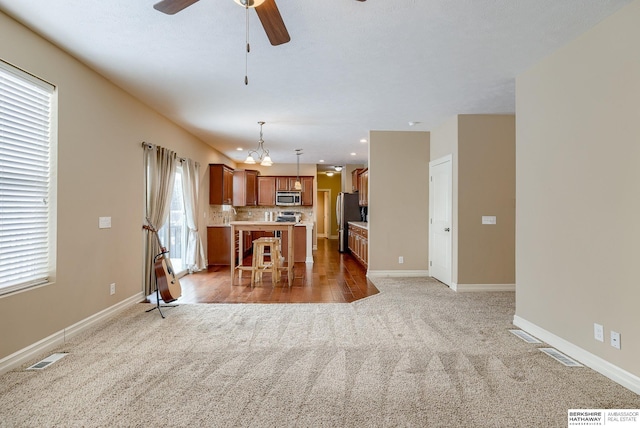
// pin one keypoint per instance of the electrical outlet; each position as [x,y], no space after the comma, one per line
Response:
[112,288]
[598,332]
[400,259]
[615,339]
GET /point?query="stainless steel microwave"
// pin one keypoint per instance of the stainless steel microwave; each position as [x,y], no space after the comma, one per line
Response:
[288,198]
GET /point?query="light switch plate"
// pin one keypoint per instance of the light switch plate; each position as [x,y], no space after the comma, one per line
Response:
[488,219]
[104,222]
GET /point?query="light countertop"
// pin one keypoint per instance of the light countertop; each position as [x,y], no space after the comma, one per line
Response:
[360,224]
[259,223]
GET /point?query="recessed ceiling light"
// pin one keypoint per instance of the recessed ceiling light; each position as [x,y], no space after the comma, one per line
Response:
[321,161]
[363,140]
[239,149]
[353,154]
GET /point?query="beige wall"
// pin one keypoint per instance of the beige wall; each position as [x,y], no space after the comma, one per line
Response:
[578,205]
[100,131]
[398,201]
[483,184]
[486,187]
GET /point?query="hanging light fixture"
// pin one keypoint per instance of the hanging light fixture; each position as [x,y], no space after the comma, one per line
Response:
[261,153]
[298,185]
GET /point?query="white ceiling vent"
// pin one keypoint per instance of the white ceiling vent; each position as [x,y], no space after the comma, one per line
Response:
[525,336]
[559,356]
[41,365]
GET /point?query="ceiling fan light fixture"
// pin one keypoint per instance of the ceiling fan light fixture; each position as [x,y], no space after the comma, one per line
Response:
[249,3]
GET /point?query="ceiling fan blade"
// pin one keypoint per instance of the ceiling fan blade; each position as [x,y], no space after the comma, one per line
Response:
[272,22]
[171,7]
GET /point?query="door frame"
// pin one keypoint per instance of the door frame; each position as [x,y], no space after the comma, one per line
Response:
[442,160]
[326,194]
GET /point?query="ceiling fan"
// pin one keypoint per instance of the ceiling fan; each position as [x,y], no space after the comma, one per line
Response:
[266,9]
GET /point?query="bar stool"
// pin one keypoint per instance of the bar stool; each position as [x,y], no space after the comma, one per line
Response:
[258,263]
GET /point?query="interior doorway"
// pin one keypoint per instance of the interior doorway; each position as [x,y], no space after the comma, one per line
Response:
[323,213]
[440,219]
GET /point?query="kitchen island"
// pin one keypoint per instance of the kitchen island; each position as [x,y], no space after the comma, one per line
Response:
[268,226]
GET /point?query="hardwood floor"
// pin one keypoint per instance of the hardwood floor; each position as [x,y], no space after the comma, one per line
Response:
[333,278]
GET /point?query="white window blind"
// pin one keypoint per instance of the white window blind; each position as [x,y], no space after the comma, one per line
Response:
[25,169]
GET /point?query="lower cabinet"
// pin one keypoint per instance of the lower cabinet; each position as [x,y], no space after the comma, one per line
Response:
[299,244]
[218,243]
[219,240]
[359,243]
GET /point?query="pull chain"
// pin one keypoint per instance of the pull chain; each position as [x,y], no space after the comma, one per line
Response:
[246,54]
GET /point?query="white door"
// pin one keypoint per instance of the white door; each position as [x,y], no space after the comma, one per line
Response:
[440,207]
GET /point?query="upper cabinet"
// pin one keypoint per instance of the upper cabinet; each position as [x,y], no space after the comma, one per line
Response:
[363,185]
[355,179]
[306,195]
[220,184]
[266,191]
[245,189]
[268,186]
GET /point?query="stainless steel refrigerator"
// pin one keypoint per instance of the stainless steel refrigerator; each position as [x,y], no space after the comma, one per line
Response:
[347,209]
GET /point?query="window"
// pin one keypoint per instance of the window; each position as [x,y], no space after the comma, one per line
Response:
[27,186]
[173,233]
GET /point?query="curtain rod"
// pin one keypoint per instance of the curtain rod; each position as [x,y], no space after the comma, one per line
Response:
[153,146]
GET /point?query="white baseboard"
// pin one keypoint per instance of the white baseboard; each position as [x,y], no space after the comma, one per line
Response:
[463,288]
[32,351]
[397,273]
[602,366]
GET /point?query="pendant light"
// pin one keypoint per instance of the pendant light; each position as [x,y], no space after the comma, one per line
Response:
[298,185]
[261,153]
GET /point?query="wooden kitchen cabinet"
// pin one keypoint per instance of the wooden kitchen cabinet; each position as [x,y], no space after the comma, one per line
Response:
[285,183]
[306,196]
[299,244]
[220,184]
[355,180]
[266,191]
[218,243]
[358,240]
[245,190]
[363,185]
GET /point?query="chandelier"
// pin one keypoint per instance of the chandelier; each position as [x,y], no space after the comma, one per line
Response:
[261,154]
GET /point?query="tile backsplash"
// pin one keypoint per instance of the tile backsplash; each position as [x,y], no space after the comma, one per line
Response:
[223,214]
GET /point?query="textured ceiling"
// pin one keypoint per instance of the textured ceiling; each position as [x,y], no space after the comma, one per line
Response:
[350,67]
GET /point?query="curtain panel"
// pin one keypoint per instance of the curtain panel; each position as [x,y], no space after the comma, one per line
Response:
[160,171]
[195,259]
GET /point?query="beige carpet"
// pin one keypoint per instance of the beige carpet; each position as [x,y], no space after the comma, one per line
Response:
[416,355]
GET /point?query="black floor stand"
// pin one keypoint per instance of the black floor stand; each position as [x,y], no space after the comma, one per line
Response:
[158,305]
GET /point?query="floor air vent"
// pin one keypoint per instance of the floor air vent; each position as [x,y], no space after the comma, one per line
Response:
[559,356]
[525,336]
[41,365]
